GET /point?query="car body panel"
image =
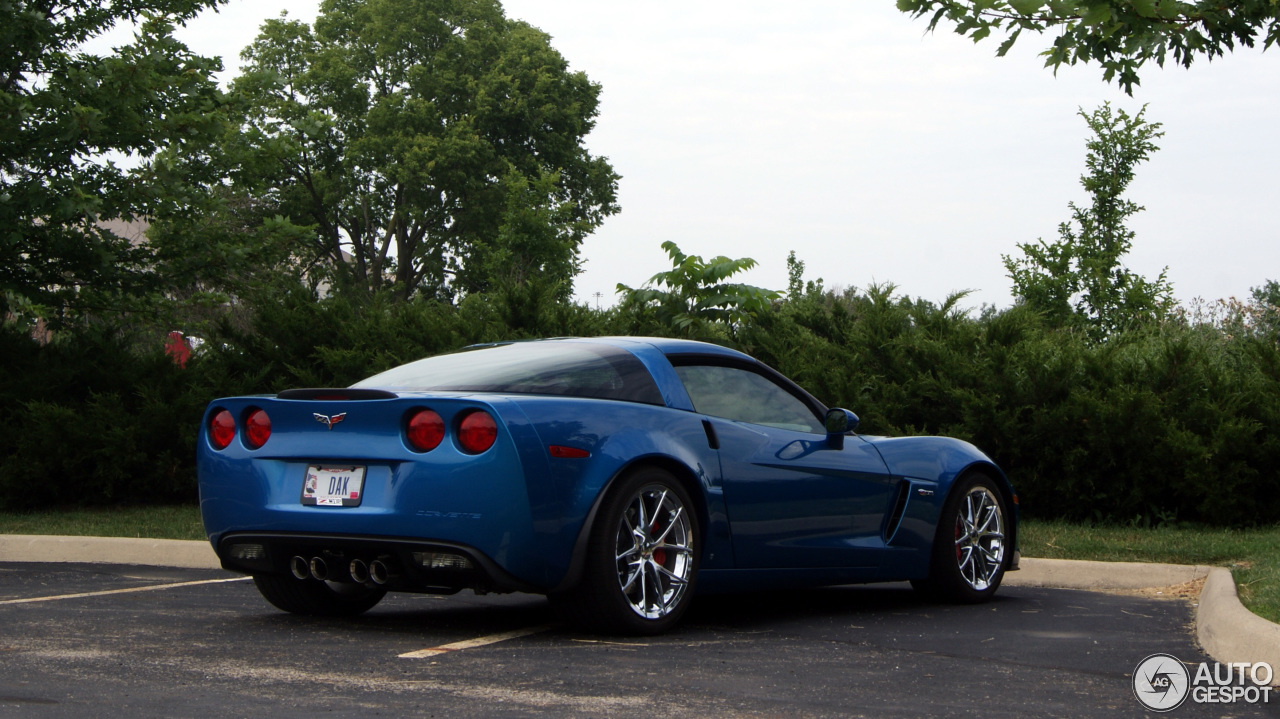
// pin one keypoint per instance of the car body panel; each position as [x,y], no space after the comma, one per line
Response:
[655,360]
[796,502]
[776,506]
[933,464]
[626,435]
[453,495]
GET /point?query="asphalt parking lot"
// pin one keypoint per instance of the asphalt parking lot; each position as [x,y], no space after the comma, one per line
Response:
[126,644]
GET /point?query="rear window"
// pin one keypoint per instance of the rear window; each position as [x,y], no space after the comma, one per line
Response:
[569,369]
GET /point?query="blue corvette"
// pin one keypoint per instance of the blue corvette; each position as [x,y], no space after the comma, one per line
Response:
[615,475]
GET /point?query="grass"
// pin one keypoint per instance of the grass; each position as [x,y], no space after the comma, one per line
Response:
[1253,555]
[181,522]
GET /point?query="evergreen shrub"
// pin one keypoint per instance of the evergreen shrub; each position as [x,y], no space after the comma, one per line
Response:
[1156,423]
[1165,422]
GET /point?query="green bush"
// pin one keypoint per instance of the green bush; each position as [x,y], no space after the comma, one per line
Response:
[295,341]
[1165,422]
[92,421]
[101,416]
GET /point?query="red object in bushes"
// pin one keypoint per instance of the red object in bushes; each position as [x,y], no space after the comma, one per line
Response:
[177,348]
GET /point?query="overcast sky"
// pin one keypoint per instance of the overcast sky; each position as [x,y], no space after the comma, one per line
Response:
[878,153]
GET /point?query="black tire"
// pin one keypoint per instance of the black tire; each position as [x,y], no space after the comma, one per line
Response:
[661,563]
[970,553]
[313,598]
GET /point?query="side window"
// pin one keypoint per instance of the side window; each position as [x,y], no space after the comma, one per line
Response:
[745,396]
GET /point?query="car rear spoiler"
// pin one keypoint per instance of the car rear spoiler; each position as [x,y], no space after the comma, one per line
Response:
[336,394]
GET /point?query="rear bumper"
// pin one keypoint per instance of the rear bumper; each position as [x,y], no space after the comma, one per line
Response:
[272,553]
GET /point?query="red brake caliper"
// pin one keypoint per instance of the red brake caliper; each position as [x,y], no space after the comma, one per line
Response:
[958,533]
[659,554]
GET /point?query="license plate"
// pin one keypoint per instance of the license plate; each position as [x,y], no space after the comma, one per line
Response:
[333,486]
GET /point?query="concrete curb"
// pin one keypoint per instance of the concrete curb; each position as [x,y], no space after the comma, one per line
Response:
[1231,633]
[1227,631]
[186,554]
[1102,576]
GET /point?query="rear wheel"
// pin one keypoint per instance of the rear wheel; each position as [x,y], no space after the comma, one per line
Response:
[642,558]
[315,598]
[969,551]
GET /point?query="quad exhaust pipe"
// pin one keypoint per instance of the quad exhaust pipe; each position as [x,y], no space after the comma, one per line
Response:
[315,569]
[359,571]
[380,571]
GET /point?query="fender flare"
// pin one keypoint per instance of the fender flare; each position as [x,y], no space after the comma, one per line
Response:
[578,559]
[989,468]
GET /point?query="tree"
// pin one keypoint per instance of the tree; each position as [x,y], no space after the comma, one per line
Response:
[1078,280]
[64,114]
[1263,308]
[697,295]
[797,288]
[432,148]
[1120,35]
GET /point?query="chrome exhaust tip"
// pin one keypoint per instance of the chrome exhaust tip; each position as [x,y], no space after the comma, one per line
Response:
[299,567]
[319,570]
[359,571]
[379,572]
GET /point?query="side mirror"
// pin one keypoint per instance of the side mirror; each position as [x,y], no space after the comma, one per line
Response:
[839,421]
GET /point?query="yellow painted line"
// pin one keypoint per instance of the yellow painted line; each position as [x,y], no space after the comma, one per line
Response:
[149,588]
[473,643]
[615,644]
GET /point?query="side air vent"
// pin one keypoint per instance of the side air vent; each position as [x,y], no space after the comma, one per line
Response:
[336,395]
[899,508]
[712,440]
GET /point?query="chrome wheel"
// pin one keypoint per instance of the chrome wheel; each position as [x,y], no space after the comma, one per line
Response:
[654,551]
[979,538]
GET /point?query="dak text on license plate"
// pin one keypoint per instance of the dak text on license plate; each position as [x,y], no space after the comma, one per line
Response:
[333,486]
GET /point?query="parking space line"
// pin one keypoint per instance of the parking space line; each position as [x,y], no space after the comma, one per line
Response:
[148,588]
[473,643]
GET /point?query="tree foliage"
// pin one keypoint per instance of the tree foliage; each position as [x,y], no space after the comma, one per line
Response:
[1168,421]
[1265,308]
[797,288]
[697,295]
[67,118]
[434,147]
[1119,35]
[1079,279]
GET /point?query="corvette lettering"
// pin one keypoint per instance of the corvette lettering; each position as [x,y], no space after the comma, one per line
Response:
[447,515]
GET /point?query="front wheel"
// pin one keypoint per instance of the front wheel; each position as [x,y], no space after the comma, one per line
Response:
[969,550]
[642,558]
[312,597]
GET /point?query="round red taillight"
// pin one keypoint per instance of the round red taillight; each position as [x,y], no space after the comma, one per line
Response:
[222,429]
[257,429]
[477,432]
[426,429]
